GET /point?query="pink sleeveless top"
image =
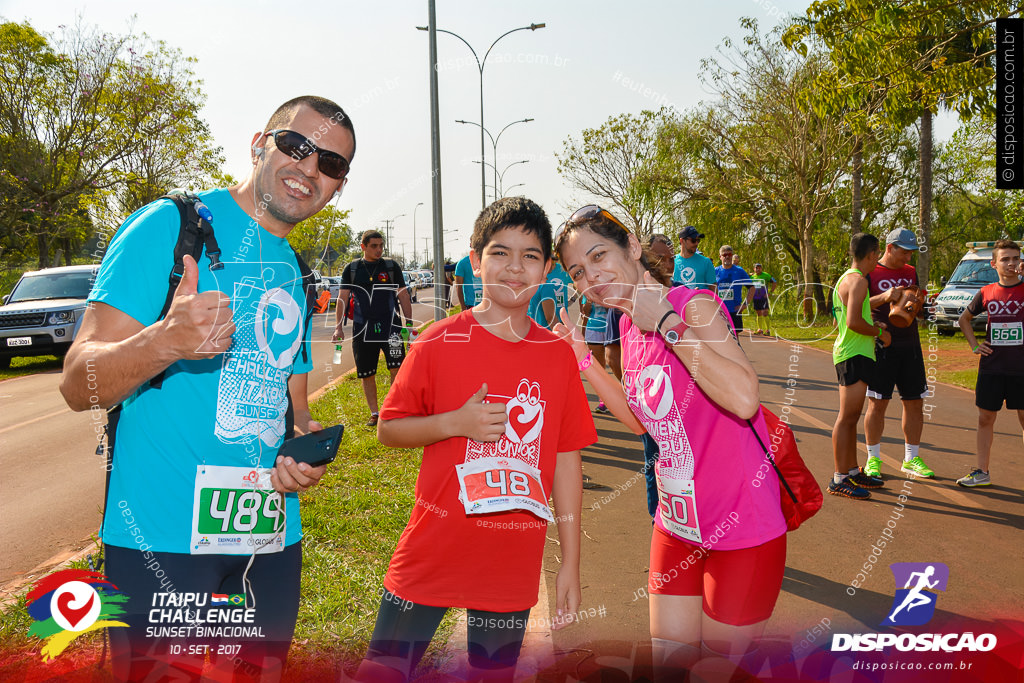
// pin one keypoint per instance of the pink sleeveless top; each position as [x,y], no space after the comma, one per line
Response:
[716,487]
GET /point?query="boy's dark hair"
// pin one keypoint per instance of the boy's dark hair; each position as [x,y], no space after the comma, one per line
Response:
[369,235]
[1004,244]
[862,244]
[512,212]
[321,105]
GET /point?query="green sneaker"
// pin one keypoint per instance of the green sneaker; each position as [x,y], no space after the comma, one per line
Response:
[917,466]
[873,467]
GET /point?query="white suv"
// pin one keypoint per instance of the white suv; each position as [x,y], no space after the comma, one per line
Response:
[42,313]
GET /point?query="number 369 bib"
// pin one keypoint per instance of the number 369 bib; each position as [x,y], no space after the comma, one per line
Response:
[501,484]
[235,511]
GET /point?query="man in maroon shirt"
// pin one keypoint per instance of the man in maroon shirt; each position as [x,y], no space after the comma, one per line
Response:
[1001,367]
[901,364]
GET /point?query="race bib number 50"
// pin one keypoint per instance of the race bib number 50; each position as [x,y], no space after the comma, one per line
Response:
[678,508]
[236,511]
[501,484]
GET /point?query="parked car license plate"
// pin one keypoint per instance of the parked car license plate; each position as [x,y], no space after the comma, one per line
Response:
[19,341]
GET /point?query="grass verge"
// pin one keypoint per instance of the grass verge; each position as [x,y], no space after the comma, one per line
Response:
[31,365]
[953,362]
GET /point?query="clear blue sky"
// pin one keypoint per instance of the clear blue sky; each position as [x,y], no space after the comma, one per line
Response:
[368,57]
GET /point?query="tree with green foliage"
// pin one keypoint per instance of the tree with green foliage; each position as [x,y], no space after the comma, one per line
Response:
[762,156]
[912,56]
[89,116]
[614,163]
[312,236]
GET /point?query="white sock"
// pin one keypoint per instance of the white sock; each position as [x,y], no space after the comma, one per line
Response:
[875,451]
[910,451]
[838,478]
[853,471]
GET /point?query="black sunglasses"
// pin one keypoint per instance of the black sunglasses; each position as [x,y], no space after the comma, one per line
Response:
[298,147]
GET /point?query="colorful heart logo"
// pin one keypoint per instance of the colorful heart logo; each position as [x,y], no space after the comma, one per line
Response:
[525,413]
[75,606]
[654,391]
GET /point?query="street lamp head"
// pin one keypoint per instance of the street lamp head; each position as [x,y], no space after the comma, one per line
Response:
[527,120]
[422,28]
[534,27]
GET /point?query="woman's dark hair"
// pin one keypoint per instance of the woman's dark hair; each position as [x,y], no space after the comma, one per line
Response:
[512,212]
[617,233]
[862,244]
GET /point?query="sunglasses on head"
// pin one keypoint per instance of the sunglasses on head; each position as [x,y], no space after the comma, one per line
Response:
[298,147]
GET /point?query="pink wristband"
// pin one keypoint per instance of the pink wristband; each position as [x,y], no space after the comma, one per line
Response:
[587,361]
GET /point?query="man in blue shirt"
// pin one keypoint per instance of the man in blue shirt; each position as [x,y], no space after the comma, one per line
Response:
[693,269]
[199,501]
[468,286]
[731,279]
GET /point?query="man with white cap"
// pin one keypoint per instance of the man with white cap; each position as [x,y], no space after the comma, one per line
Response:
[901,364]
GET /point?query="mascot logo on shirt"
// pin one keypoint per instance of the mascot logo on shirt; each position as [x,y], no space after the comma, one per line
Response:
[524,413]
[654,391]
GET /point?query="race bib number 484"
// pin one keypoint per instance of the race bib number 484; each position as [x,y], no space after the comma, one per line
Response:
[502,484]
[236,511]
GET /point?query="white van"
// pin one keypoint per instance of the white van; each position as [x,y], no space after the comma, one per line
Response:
[972,273]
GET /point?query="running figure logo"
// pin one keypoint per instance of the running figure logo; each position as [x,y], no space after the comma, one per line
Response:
[914,604]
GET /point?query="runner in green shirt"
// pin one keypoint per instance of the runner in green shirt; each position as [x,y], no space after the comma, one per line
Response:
[763,288]
[854,356]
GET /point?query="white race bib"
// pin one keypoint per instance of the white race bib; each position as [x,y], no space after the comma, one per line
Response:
[725,292]
[234,510]
[493,484]
[1006,334]
[677,506]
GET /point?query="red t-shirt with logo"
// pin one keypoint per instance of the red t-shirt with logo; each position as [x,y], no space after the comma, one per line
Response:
[490,562]
[1005,334]
[881,280]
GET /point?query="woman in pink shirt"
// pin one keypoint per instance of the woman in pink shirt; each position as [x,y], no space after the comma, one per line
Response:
[718,549]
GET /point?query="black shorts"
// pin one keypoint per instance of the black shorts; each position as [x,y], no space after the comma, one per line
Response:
[367,352]
[992,390]
[760,304]
[737,321]
[155,645]
[902,368]
[856,369]
[404,629]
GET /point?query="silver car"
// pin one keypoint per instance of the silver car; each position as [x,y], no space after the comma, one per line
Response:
[43,312]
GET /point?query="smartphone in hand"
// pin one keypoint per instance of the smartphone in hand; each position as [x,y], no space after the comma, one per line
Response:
[314,449]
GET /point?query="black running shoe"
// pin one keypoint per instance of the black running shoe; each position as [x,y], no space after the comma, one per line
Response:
[866,482]
[848,489]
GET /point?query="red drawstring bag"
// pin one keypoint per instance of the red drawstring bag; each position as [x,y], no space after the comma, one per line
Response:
[800,494]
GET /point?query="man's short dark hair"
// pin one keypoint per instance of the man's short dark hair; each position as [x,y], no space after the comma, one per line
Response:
[1004,244]
[321,105]
[862,244]
[512,212]
[370,235]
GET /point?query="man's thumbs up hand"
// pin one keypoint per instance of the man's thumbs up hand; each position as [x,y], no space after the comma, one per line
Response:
[198,325]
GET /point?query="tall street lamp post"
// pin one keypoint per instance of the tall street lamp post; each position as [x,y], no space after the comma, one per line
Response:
[480,67]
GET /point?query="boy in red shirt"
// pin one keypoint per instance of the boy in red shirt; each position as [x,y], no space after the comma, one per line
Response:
[1001,368]
[498,404]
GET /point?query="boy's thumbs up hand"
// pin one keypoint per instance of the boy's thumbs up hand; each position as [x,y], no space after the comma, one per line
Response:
[480,420]
[197,325]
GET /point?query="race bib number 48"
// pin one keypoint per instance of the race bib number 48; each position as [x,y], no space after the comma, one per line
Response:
[1006,334]
[236,511]
[501,484]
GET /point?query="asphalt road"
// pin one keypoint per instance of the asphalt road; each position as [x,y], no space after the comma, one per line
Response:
[52,488]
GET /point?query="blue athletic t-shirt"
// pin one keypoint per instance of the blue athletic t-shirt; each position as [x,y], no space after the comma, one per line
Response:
[731,282]
[694,272]
[227,410]
[545,291]
[562,284]
[472,287]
